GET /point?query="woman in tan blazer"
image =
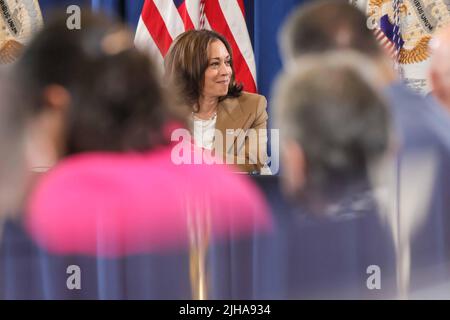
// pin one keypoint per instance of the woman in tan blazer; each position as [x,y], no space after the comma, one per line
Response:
[224,119]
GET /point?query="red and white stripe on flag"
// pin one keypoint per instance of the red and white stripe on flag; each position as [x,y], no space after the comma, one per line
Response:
[387,44]
[161,21]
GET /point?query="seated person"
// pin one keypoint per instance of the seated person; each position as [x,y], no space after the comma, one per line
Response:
[223,117]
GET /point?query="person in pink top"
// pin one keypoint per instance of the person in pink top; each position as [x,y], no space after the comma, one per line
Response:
[117,200]
[112,204]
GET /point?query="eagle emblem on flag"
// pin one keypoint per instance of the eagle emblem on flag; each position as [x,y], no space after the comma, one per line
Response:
[405,28]
[417,21]
[18,21]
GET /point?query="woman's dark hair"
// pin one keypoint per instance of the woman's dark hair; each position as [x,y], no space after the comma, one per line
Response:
[117,103]
[186,63]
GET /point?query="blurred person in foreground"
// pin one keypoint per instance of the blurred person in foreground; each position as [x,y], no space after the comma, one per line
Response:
[117,206]
[418,186]
[334,130]
[223,118]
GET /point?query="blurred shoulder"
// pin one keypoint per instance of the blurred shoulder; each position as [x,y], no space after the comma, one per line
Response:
[252,101]
[251,98]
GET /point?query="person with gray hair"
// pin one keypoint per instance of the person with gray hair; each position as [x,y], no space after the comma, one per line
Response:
[334,129]
[334,124]
[419,219]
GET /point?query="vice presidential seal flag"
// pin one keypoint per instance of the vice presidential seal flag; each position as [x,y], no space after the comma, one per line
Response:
[406,27]
[18,21]
[162,21]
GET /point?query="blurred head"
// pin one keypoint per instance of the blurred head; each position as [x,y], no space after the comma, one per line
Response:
[334,125]
[325,25]
[105,93]
[440,67]
[13,122]
[200,63]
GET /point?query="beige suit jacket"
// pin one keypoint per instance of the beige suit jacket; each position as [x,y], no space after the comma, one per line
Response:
[241,131]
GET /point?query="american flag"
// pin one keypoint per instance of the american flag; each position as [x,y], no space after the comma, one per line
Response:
[161,21]
[388,34]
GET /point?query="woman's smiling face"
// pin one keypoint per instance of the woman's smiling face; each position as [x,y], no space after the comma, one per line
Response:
[218,73]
